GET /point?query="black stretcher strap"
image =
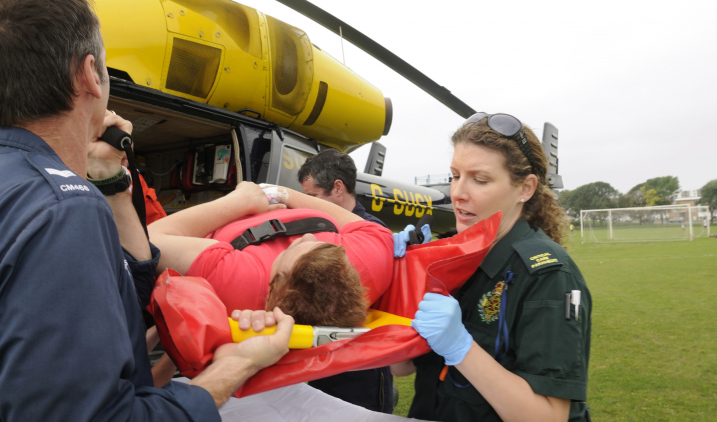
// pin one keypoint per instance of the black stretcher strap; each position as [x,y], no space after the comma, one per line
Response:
[122,141]
[272,229]
[415,237]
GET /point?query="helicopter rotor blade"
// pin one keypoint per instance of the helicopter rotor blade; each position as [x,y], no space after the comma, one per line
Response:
[381,54]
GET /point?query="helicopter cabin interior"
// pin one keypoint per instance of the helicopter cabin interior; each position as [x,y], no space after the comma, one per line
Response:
[187,151]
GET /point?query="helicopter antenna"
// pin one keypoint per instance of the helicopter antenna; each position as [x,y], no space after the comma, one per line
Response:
[381,54]
[341,34]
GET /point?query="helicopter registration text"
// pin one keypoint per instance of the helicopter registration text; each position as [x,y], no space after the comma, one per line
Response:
[406,203]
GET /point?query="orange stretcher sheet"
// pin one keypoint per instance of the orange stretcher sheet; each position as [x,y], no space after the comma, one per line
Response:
[192,322]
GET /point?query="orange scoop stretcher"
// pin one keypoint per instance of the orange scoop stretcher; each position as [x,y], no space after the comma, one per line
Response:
[192,322]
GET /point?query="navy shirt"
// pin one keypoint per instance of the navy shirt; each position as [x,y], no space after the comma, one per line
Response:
[361,212]
[72,339]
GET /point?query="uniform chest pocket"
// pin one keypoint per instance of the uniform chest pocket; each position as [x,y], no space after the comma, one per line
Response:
[548,343]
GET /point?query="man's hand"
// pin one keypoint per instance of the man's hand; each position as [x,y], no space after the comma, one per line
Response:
[261,351]
[103,160]
[235,363]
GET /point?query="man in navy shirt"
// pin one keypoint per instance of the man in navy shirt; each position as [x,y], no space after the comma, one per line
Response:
[331,175]
[72,339]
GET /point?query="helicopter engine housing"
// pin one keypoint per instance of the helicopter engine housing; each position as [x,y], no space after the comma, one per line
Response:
[234,57]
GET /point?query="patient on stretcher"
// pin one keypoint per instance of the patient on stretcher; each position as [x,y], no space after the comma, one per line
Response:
[198,243]
[324,278]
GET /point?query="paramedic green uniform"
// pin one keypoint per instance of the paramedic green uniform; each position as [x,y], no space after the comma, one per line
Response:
[548,351]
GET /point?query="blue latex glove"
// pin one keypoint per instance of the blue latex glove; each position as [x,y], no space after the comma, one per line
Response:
[400,240]
[439,322]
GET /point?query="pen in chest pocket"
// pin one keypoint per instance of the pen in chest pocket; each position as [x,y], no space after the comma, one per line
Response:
[572,298]
[575,300]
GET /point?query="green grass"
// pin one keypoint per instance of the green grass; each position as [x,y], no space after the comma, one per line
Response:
[405,394]
[654,330]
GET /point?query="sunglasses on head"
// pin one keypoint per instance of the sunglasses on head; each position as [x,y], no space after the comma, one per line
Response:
[508,126]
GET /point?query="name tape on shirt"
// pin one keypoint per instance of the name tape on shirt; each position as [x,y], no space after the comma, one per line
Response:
[542,259]
[538,254]
[69,188]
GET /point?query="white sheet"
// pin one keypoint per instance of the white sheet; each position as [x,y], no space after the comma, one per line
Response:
[297,403]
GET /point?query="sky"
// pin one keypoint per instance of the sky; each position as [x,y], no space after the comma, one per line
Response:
[630,85]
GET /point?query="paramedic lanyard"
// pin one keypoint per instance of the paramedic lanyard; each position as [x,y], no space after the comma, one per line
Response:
[502,319]
[502,328]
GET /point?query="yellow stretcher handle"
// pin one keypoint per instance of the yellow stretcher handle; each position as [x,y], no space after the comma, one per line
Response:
[379,319]
[301,337]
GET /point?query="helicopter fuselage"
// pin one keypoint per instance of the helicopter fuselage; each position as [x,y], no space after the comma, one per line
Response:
[179,139]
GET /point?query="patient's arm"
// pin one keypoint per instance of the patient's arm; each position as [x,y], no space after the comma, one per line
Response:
[300,200]
[403,369]
[180,236]
[163,371]
[152,338]
[200,220]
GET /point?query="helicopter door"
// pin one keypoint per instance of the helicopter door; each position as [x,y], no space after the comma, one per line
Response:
[256,152]
[273,158]
[292,158]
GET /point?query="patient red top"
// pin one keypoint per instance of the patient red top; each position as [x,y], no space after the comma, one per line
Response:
[241,278]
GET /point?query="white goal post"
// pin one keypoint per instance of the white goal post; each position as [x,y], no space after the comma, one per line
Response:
[644,224]
[701,220]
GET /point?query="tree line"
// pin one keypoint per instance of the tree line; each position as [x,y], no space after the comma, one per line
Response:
[656,191]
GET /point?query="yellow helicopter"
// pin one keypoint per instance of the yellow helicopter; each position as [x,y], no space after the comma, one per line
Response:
[236,58]
[206,80]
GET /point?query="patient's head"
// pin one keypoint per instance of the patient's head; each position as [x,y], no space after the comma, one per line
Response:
[315,283]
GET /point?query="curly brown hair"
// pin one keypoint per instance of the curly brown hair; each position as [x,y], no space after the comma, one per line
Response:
[321,289]
[542,209]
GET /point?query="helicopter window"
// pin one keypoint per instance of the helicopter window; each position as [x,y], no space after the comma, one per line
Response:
[263,168]
[291,161]
[192,68]
[258,143]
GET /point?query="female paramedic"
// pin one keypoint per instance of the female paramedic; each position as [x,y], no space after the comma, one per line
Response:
[514,343]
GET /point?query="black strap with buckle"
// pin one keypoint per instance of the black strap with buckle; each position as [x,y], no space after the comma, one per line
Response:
[274,228]
[122,141]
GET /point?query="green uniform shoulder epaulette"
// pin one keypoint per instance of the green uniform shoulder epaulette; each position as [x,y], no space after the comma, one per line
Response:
[538,254]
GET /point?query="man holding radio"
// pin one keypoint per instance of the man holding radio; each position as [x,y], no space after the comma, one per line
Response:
[72,345]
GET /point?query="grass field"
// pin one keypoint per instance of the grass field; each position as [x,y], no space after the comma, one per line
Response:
[654,330]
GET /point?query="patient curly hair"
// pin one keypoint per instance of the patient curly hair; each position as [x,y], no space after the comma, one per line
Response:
[321,289]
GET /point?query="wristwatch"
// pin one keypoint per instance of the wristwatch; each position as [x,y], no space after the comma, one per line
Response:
[112,185]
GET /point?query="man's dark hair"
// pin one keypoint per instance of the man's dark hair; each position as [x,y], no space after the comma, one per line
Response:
[42,45]
[328,166]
